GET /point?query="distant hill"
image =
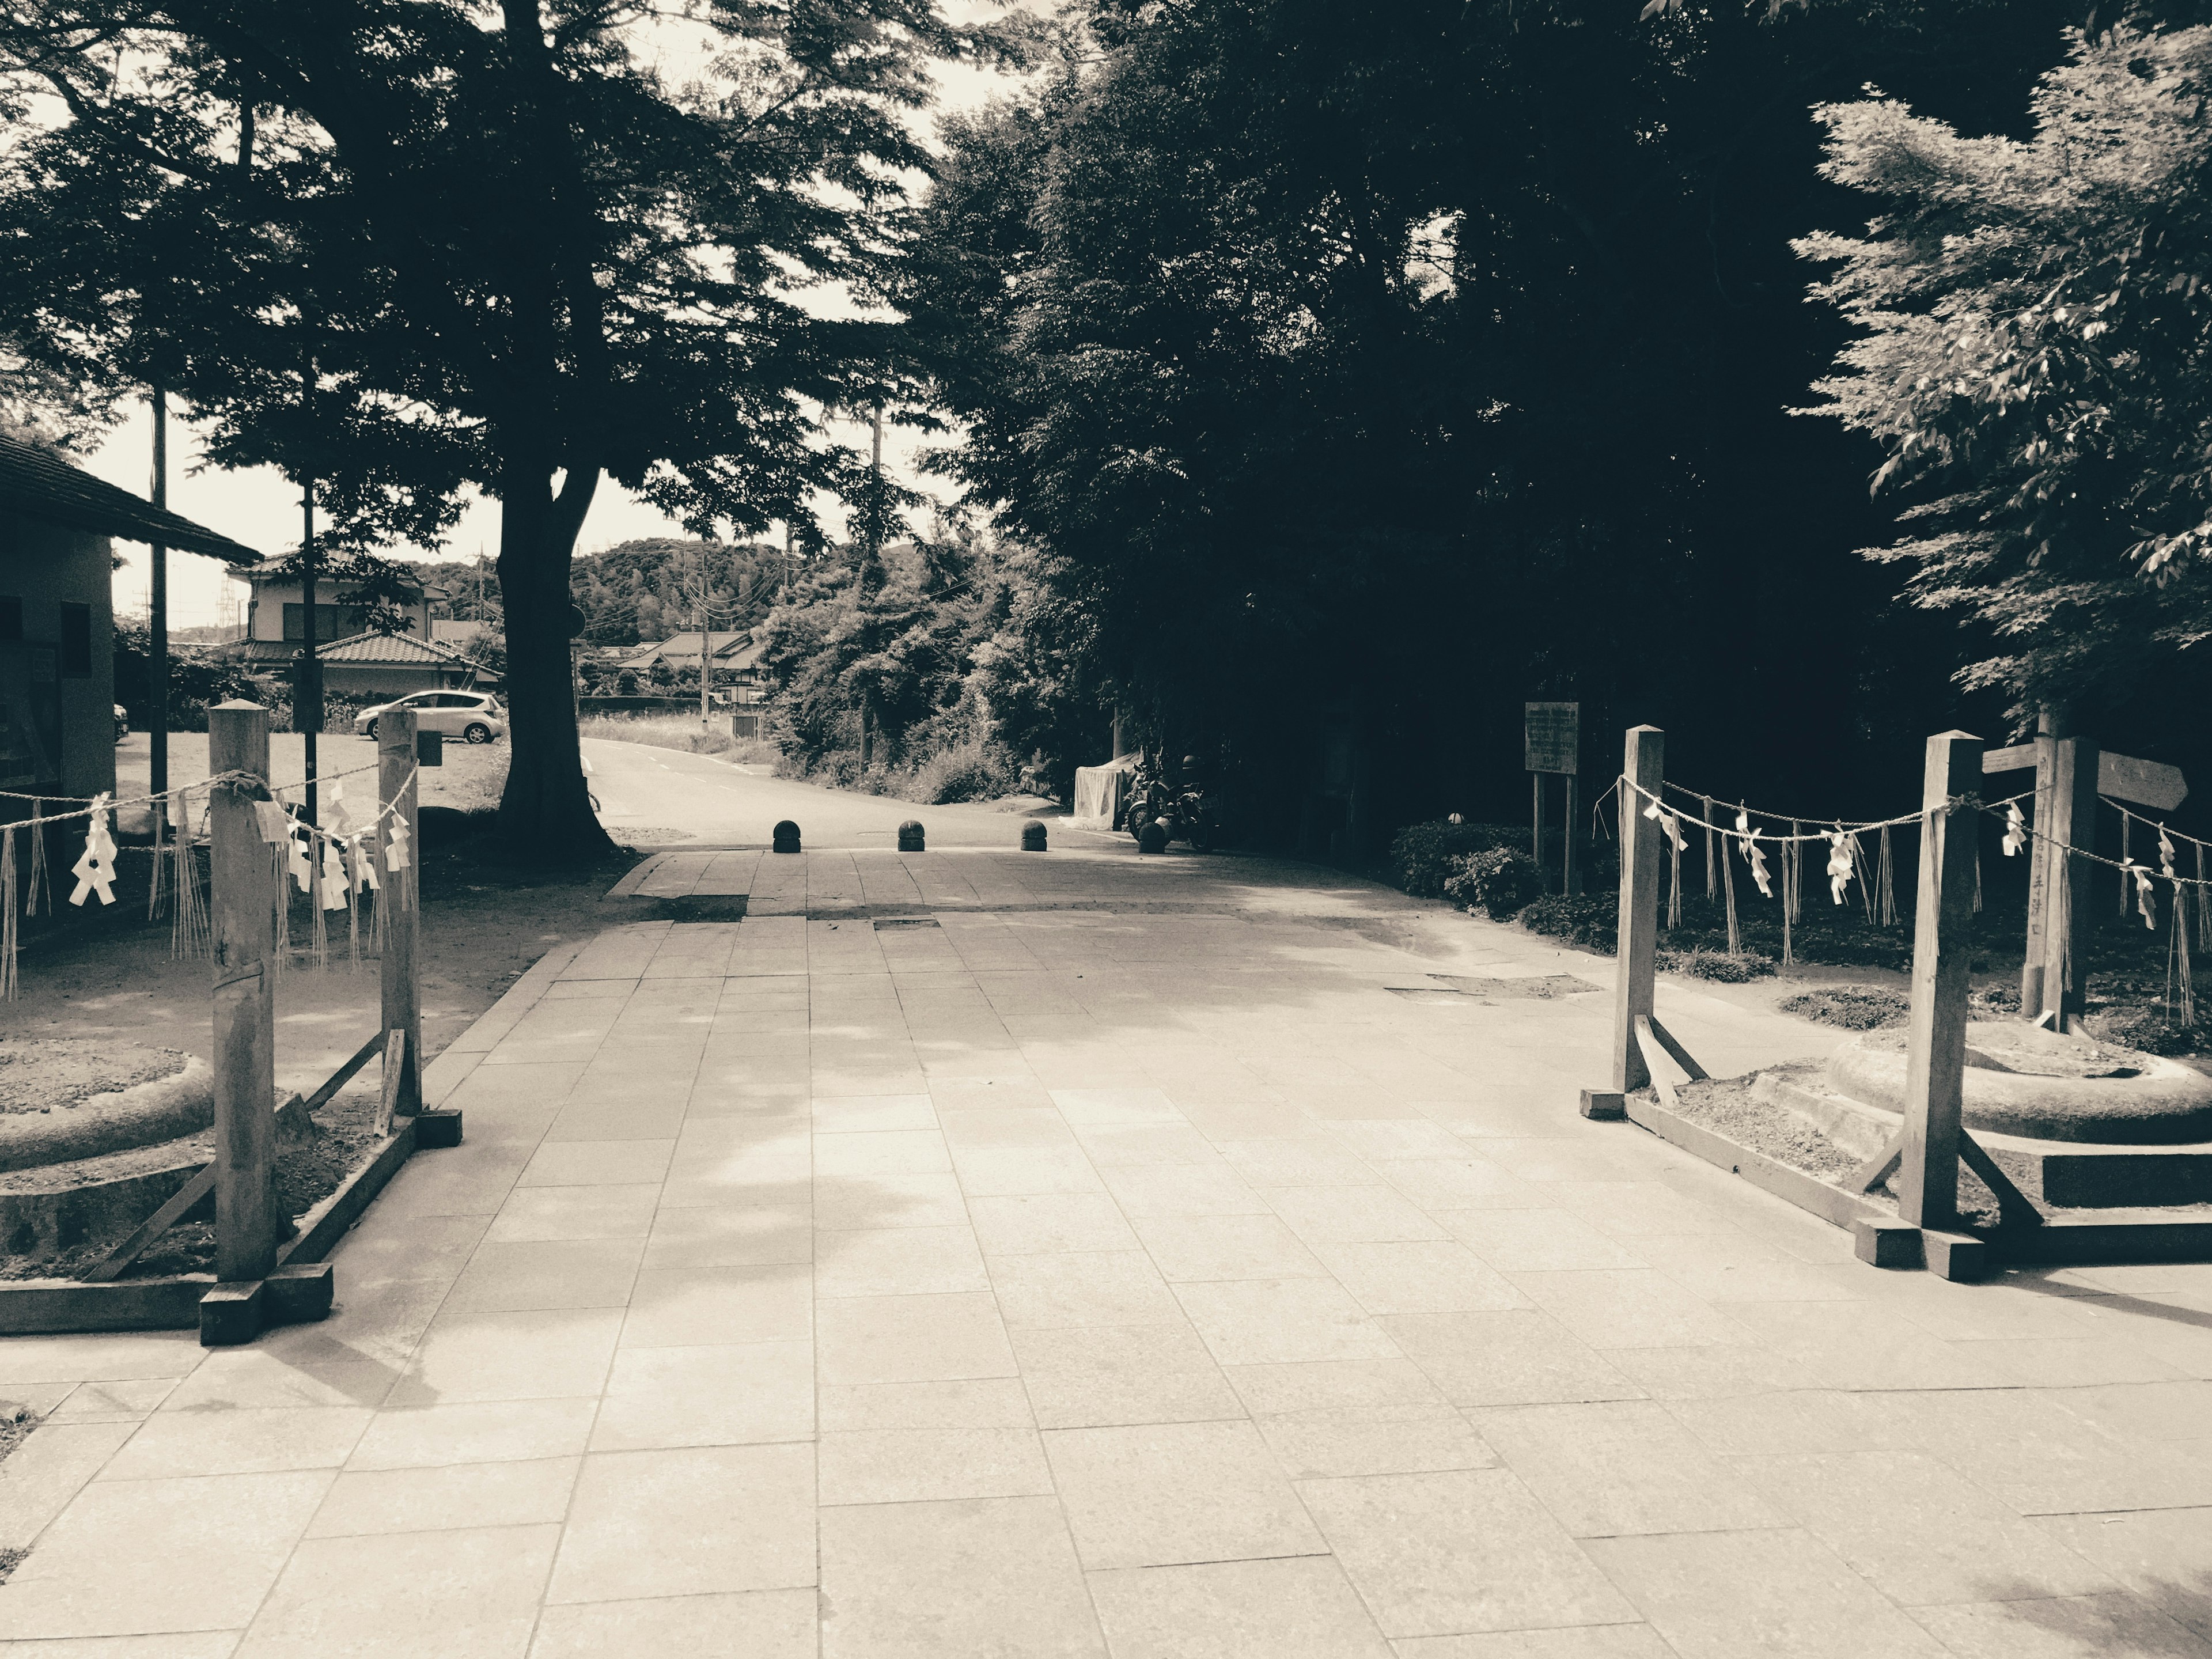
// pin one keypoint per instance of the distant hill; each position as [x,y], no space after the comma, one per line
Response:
[634,591]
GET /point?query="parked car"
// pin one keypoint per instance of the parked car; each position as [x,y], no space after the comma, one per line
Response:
[473,716]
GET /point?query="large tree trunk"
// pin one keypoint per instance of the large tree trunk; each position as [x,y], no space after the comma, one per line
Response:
[545,815]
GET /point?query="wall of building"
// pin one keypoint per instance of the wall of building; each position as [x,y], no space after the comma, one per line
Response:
[354,679]
[265,614]
[58,674]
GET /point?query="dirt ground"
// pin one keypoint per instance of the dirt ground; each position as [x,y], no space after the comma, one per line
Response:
[108,974]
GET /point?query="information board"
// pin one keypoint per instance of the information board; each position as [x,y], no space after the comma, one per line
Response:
[1551,738]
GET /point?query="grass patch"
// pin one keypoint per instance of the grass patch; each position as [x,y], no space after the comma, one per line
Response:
[16,1422]
[1853,1007]
[683,732]
[1722,967]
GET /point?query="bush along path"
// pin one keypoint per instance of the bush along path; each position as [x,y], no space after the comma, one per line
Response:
[1487,868]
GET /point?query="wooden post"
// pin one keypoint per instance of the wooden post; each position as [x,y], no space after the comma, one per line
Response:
[2039,872]
[1936,1043]
[241,868]
[1644,764]
[1536,843]
[400,900]
[1574,819]
[2067,882]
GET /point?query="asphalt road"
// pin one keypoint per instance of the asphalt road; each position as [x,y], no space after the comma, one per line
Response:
[643,789]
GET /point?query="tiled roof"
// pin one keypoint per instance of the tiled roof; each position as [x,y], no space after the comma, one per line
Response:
[36,483]
[393,650]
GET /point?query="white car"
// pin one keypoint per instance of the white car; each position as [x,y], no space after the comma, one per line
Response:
[472,716]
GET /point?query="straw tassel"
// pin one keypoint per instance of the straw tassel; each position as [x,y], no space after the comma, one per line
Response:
[7,922]
[1728,893]
[2203,911]
[2177,972]
[1978,863]
[1788,893]
[1674,886]
[281,915]
[1711,890]
[2127,818]
[1889,899]
[40,885]
[154,885]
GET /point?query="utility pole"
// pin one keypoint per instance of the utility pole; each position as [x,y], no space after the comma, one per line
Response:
[157,606]
[309,719]
[787,577]
[706,642]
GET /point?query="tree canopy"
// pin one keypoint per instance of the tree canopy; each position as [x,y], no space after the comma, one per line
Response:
[1394,362]
[2038,317]
[400,246]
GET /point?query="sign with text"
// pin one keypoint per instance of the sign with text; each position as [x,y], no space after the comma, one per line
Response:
[1551,737]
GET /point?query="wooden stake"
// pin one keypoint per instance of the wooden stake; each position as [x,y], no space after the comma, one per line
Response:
[1567,863]
[2039,872]
[244,1001]
[1936,1045]
[2069,885]
[1536,841]
[1645,763]
[397,904]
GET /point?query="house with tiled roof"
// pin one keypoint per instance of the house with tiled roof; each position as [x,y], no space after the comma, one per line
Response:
[58,524]
[381,666]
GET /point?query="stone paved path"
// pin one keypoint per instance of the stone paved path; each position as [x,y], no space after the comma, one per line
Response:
[976,1254]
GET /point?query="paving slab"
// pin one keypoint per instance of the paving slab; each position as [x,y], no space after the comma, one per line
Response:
[1120,1267]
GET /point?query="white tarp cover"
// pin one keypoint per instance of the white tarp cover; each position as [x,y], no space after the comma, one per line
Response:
[1100,791]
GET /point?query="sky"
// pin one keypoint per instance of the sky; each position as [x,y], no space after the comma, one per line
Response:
[260,506]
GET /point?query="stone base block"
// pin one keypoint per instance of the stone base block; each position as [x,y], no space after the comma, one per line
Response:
[439,1125]
[298,1293]
[1886,1243]
[231,1313]
[1605,1106]
[1955,1255]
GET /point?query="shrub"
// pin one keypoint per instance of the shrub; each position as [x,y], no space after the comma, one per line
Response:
[1718,965]
[973,770]
[1498,883]
[1424,856]
[1854,1007]
[1591,922]
[2147,1031]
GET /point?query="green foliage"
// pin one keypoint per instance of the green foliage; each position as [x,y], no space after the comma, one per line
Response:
[2037,360]
[1587,923]
[1424,857]
[961,663]
[1498,883]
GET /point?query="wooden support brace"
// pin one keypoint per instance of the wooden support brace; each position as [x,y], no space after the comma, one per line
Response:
[1878,1168]
[2014,1206]
[110,1266]
[1691,1070]
[1661,1061]
[395,1062]
[344,1074]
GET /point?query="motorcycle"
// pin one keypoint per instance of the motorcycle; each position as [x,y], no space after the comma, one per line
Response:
[1189,812]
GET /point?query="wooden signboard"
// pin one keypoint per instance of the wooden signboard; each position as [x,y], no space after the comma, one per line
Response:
[1550,741]
[1551,737]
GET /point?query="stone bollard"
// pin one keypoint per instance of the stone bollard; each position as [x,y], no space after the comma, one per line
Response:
[785,837]
[909,836]
[1033,836]
[1152,838]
